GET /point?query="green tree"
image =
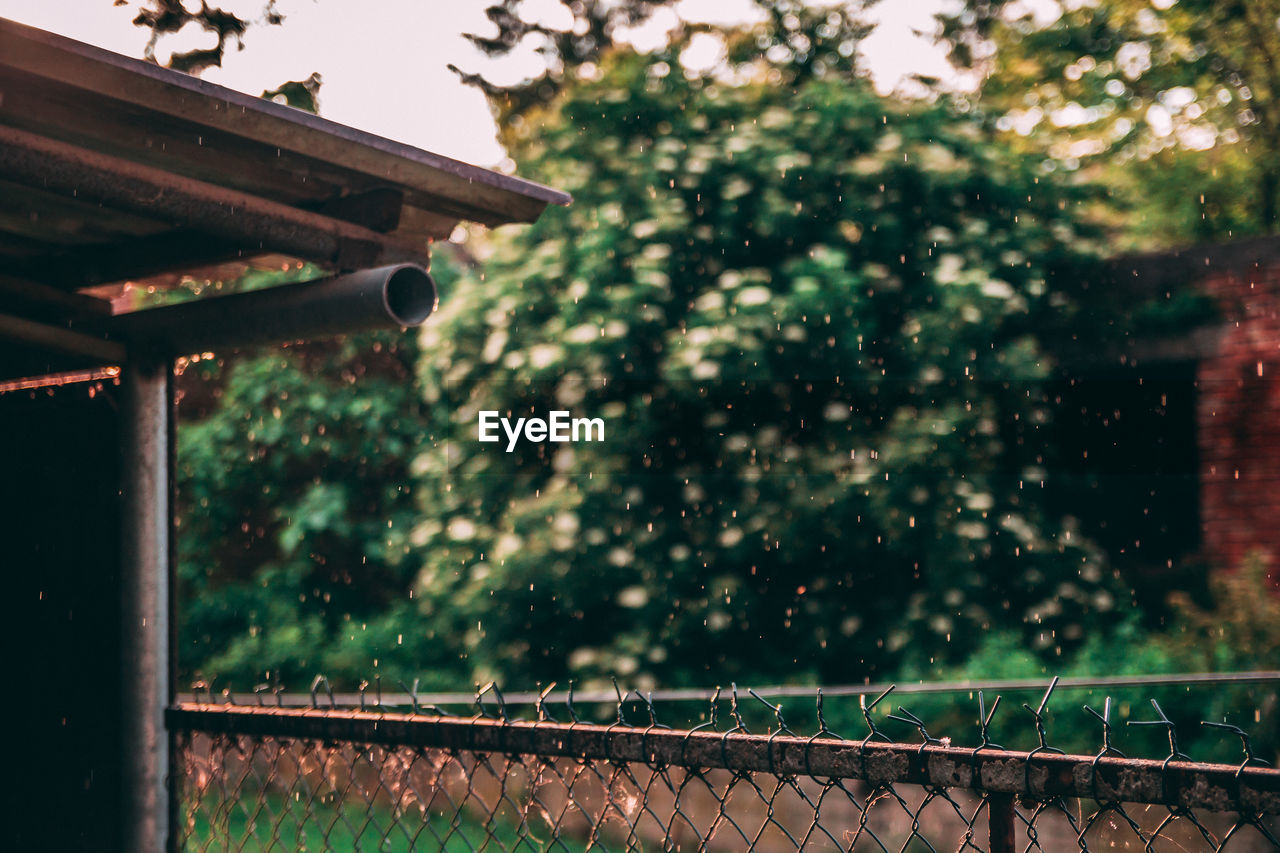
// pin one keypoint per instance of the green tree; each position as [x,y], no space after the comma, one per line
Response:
[166,17]
[294,498]
[593,25]
[1235,629]
[809,317]
[295,507]
[1193,84]
[593,28]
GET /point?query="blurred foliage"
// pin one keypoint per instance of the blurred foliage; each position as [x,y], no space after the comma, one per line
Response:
[809,316]
[574,36]
[295,504]
[1175,311]
[1113,83]
[299,94]
[1238,629]
[252,278]
[814,321]
[1242,628]
[1175,197]
[591,31]
[167,17]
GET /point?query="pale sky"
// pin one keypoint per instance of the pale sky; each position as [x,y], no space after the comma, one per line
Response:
[383,63]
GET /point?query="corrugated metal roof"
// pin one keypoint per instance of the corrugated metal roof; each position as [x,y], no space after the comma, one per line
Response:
[113,169]
[69,92]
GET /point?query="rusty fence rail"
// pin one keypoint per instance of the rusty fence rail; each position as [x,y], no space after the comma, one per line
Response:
[266,776]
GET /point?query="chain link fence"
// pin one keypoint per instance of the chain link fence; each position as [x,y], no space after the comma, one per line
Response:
[269,776]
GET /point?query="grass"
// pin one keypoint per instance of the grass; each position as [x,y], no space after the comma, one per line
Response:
[264,825]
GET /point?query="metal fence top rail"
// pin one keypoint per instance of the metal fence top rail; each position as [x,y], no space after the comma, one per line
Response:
[320,695]
[1039,775]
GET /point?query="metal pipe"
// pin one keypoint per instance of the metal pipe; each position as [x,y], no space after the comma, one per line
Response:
[387,297]
[693,694]
[146,578]
[251,221]
[1002,819]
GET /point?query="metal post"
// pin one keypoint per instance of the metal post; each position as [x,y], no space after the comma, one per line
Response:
[1001,819]
[146,577]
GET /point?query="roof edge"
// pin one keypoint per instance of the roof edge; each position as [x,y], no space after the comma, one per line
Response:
[12,30]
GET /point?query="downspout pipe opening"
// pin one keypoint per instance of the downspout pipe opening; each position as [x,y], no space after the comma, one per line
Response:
[409,295]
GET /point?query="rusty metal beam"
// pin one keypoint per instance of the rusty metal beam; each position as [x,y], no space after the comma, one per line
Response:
[132,259]
[376,209]
[138,257]
[36,301]
[246,220]
[1213,787]
[54,339]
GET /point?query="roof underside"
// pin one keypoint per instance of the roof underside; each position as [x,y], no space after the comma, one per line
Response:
[113,169]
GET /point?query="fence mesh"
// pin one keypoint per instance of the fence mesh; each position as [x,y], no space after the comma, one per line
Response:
[270,777]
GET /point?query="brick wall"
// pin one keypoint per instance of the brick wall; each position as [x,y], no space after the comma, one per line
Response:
[1238,419]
